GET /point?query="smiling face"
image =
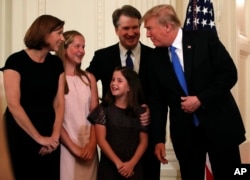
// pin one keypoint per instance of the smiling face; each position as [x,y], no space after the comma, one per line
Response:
[55,39]
[119,85]
[75,51]
[128,31]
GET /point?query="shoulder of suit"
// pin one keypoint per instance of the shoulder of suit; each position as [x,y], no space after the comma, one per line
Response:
[196,33]
[145,46]
[108,48]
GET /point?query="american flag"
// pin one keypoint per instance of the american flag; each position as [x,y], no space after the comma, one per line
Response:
[208,170]
[200,16]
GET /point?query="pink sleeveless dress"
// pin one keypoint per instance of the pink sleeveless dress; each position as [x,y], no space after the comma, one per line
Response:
[77,103]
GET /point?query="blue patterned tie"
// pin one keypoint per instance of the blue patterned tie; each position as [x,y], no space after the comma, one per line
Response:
[180,75]
[129,62]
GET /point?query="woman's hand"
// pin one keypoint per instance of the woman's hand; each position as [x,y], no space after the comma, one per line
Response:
[49,144]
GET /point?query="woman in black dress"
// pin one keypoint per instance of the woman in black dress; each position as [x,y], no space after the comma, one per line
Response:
[120,135]
[34,88]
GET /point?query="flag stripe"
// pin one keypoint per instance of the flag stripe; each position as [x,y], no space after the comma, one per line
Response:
[209,174]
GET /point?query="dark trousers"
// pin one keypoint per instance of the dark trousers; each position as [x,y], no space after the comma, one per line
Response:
[191,154]
[151,165]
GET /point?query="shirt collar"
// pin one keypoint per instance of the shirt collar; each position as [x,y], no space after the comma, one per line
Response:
[178,40]
[123,50]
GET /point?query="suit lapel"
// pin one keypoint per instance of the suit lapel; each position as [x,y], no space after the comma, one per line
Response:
[165,63]
[165,70]
[187,56]
[164,58]
[116,56]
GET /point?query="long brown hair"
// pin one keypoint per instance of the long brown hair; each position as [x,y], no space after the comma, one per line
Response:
[69,37]
[135,97]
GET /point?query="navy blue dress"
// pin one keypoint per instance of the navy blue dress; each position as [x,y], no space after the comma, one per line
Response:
[38,87]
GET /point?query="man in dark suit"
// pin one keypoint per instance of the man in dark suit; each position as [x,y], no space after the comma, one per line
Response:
[126,21]
[210,74]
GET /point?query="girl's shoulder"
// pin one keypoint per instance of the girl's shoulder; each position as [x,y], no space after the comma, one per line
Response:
[98,115]
[90,76]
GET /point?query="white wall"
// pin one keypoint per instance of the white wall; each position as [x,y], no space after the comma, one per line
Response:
[243,63]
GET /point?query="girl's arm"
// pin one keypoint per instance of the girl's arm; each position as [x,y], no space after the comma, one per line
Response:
[127,169]
[93,104]
[94,92]
[89,150]
[140,149]
[69,144]
[104,145]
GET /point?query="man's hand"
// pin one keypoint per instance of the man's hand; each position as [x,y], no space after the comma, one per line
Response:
[145,117]
[190,104]
[160,153]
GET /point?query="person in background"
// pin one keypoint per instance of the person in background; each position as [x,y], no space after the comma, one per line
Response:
[126,21]
[5,165]
[120,136]
[34,88]
[79,158]
[204,117]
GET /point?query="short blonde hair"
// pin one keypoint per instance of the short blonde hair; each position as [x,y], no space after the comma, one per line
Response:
[165,13]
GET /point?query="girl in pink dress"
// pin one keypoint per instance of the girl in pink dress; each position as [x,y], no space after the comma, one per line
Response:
[79,158]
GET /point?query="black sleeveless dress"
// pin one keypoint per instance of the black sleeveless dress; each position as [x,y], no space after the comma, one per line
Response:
[38,88]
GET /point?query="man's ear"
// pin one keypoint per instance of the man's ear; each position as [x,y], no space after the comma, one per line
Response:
[168,27]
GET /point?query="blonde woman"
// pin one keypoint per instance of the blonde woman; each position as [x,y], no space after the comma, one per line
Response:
[5,166]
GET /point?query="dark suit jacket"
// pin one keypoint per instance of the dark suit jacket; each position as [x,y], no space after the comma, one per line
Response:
[105,60]
[210,74]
